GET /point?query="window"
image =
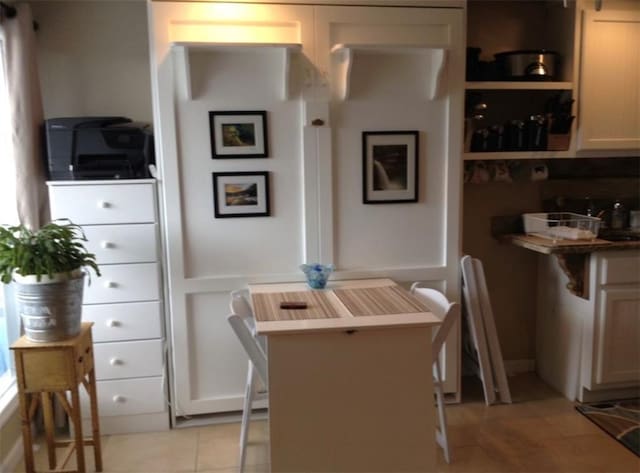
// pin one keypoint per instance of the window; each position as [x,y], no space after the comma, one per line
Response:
[9,329]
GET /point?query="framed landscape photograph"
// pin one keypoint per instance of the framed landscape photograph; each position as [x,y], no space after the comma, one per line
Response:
[390,167]
[241,194]
[238,134]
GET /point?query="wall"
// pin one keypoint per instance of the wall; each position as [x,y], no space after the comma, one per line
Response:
[512,272]
[93,58]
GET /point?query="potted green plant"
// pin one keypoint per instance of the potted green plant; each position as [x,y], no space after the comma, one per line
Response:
[47,268]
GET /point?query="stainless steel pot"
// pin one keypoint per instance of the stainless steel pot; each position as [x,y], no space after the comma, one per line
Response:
[528,65]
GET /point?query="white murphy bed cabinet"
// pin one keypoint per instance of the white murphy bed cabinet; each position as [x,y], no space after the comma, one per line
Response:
[324,74]
[120,221]
[609,98]
[589,348]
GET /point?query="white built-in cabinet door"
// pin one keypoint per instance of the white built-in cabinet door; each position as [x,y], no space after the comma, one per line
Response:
[617,350]
[609,103]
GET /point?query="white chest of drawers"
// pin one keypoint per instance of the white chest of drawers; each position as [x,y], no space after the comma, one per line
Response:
[120,221]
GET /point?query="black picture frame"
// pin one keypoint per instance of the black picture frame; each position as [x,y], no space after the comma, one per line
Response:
[390,167]
[241,194]
[238,134]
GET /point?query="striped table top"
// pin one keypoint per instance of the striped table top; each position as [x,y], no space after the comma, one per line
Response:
[343,305]
[379,301]
[266,306]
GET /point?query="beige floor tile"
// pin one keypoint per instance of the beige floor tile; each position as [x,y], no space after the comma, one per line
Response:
[539,433]
[41,459]
[247,469]
[595,452]
[571,424]
[171,451]
[218,446]
[470,459]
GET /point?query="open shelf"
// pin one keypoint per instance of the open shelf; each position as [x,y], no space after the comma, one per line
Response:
[436,55]
[516,155]
[181,56]
[518,85]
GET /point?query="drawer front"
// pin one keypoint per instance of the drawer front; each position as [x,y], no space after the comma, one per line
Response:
[116,360]
[620,268]
[128,321]
[100,204]
[124,283]
[113,244]
[127,397]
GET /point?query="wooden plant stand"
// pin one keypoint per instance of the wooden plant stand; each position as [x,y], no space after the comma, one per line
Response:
[48,369]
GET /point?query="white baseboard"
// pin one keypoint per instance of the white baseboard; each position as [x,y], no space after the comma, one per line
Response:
[12,460]
[519,366]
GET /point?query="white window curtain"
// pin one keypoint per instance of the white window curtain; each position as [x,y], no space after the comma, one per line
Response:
[25,117]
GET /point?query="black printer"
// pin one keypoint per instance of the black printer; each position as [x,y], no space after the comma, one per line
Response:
[98,148]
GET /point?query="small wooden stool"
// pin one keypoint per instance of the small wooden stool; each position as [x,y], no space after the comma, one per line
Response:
[44,369]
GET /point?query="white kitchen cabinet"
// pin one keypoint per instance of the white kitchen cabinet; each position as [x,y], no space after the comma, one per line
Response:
[609,98]
[120,221]
[589,348]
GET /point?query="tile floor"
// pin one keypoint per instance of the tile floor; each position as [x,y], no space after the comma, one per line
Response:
[539,432]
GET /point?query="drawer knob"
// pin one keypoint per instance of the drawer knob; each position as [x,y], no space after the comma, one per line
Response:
[110,284]
[113,323]
[103,204]
[119,398]
[115,361]
[106,244]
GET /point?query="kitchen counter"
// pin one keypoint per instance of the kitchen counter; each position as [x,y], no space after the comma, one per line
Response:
[572,255]
[549,247]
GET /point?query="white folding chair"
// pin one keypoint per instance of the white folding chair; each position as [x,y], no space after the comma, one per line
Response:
[257,366]
[448,313]
[243,324]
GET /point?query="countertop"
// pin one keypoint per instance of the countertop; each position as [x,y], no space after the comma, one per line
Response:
[548,246]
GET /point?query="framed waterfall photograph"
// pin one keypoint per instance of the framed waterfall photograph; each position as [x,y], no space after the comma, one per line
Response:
[389,167]
[241,194]
[238,134]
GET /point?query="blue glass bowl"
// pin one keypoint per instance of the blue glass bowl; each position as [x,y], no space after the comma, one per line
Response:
[317,274]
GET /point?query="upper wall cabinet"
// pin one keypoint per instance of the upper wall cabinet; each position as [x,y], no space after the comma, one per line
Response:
[609,100]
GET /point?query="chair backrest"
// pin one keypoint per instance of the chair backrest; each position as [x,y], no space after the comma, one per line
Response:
[239,304]
[250,345]
[447,312]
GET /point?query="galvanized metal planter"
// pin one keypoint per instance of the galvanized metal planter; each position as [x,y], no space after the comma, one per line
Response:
[50,309]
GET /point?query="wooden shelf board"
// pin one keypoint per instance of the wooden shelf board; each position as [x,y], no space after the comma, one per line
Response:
[511,85]
[207,45]
[517,155]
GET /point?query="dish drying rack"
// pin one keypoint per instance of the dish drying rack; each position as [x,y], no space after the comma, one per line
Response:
[561,225]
